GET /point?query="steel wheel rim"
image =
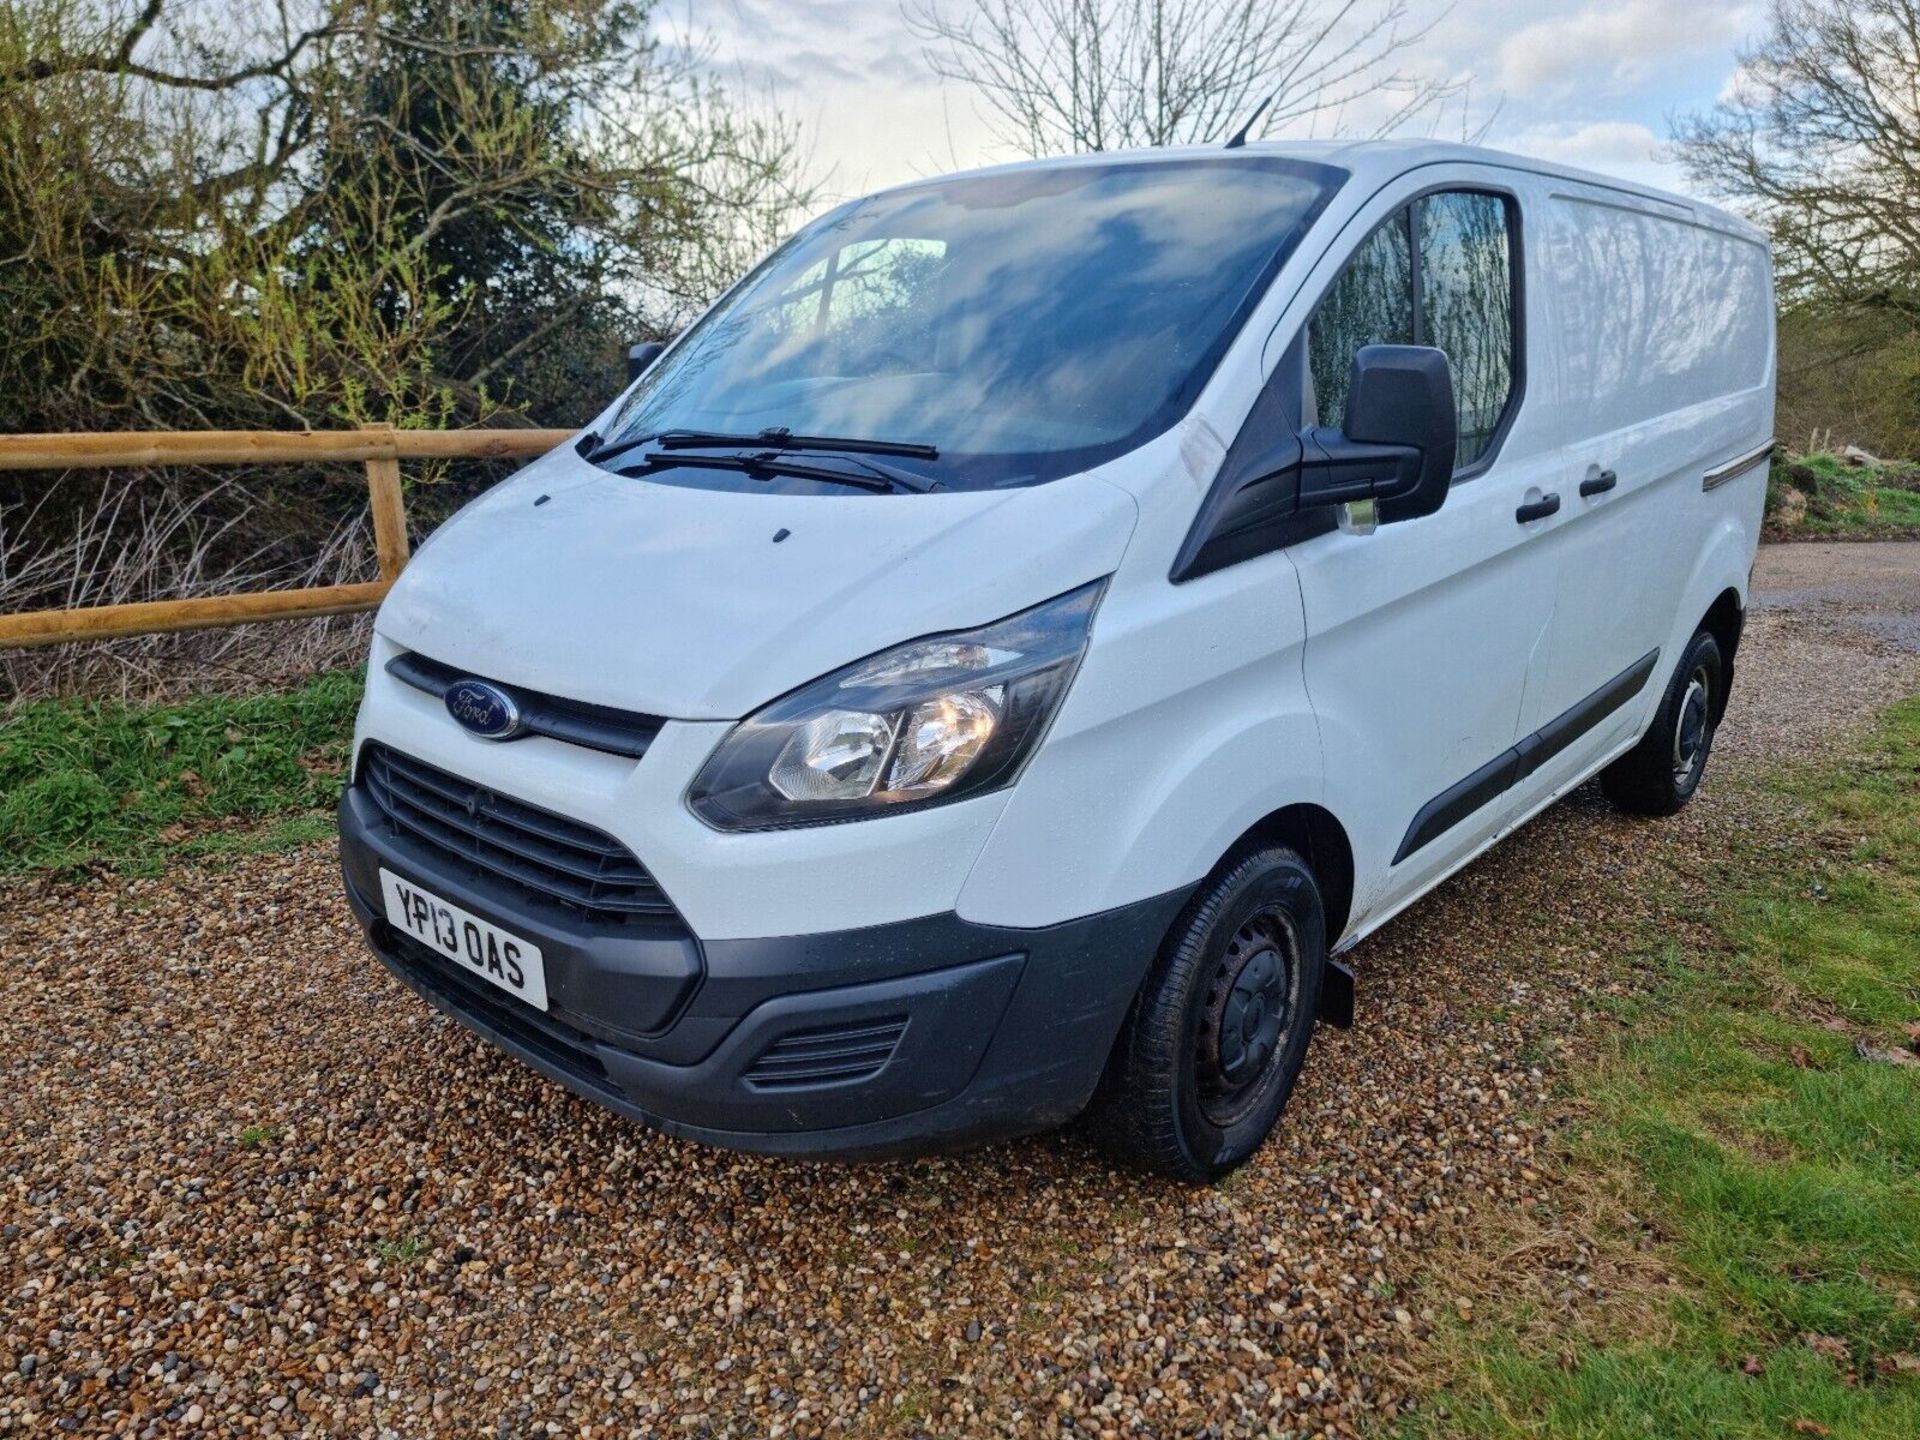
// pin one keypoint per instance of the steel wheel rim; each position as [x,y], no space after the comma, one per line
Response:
[1692,727]
[1253,1004]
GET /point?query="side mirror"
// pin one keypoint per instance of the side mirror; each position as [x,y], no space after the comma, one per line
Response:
[1277,484]
[1398,444]
[640,356]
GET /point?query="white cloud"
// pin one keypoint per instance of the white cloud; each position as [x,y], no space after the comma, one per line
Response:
[871,111]
[1601,143]
[1624,43]
[1624,149]
[1742,84]
[1586,82]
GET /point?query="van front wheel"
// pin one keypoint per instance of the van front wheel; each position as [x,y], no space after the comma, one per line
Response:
[1660,774]
[1217,1036]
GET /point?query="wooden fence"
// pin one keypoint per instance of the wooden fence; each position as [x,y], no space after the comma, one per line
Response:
[379,448]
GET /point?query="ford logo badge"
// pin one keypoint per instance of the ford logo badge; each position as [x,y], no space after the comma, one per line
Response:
[486,710]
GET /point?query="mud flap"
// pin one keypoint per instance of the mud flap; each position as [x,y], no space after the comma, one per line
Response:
[1336,994]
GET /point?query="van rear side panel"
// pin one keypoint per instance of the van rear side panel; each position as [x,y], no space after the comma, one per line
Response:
[1657,312]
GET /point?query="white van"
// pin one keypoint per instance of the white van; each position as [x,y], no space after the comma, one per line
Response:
[993,665]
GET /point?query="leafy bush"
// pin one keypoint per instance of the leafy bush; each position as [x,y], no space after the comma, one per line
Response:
[326,213]
[1830,497]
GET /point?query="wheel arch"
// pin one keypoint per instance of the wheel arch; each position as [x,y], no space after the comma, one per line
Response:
[1318,835]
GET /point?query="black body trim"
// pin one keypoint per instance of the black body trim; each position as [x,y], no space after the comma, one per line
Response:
[596,727]
[485,835]
[1253,506]
[621,981]
[1511,766]
[885,1040]
[1458,801]
[1538,509]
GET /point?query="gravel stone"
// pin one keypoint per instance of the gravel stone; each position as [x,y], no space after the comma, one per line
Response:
[434,1240]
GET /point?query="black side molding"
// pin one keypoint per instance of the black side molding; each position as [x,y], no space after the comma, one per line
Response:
[1557,734]
[1510,767]
[1458,801]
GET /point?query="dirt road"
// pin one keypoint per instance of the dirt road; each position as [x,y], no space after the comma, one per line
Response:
[252,1183]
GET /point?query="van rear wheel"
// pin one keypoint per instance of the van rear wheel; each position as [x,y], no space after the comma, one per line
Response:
[1660,774]
[1217,1036]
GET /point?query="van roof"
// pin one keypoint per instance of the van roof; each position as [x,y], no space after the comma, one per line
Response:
[1375,162]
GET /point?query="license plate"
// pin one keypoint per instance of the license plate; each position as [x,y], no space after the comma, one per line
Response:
[495,955]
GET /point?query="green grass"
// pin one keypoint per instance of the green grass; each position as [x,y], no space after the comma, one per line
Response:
[284,834]
[1780,1168]
[1824,497]
[400,1252]
[89,781]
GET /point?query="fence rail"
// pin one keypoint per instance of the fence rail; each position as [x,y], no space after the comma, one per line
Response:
[379,448]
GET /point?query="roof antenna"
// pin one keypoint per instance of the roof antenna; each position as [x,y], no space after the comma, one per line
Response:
[1240,136]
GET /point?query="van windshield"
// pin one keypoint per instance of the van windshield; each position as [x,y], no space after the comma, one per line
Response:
[1026,324]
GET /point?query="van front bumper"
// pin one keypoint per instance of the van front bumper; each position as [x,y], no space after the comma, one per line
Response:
[864,1043]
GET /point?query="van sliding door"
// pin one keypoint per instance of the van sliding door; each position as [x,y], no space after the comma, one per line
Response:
[1658,324]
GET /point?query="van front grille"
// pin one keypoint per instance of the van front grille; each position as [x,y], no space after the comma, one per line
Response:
[538,853]
[827,1056]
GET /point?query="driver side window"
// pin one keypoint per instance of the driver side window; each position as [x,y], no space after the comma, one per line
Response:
[1370,304]
[1438,272]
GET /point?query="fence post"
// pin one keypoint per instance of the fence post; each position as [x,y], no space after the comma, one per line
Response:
[389,509]
[379,447]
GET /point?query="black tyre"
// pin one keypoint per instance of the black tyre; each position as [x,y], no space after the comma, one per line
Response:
[1215,1040]
[1660,774]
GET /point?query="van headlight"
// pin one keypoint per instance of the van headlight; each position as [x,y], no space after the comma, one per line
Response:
[926,722]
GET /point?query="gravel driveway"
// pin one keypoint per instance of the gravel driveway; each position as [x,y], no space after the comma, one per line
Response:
[252,1184]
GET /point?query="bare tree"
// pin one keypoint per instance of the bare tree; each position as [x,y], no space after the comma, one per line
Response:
[1819,138]
[1078,75]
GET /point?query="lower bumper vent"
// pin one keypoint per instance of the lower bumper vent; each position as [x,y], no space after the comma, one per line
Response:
[830,1055]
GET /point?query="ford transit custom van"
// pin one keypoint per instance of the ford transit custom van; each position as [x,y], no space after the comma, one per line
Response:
[993,666]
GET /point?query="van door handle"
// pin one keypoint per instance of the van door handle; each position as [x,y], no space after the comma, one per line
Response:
[1537,509]
[1598,484]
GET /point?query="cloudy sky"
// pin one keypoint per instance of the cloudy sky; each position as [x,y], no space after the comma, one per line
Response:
[1588,82]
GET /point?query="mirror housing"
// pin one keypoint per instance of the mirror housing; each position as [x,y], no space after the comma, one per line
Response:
[1397,448]
[640,356]
[1279,484]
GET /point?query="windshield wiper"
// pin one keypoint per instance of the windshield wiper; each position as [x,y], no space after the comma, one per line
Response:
[778,437]
[774,438]
[596,453]
[777,441]
[899,479]
[881,480]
